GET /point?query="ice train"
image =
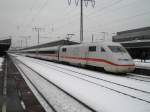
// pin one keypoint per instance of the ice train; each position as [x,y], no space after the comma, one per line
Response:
[110,56]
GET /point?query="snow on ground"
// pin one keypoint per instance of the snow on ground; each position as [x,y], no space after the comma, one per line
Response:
[38,96]
[1,61]
[99,98]
[113,78]
[144,86]
[60,101]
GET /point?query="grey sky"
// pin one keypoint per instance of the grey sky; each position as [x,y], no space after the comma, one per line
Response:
[18,17]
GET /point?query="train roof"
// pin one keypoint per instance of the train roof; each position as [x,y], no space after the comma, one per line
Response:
[43,48]
[94,43]
[51,44]
[74,45]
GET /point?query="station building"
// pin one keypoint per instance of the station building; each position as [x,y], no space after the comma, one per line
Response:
[136,41]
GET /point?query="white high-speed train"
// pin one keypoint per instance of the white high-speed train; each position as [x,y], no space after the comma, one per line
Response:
[108,55]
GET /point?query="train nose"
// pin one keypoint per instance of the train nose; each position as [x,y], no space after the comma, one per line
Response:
[131,69]
[125,69]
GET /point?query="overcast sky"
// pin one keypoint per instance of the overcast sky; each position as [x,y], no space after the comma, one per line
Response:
[57,19]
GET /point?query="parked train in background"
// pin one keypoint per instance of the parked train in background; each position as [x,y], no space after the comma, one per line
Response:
[108,55]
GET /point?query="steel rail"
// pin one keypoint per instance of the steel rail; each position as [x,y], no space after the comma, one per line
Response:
[103,85]
[85,105]
[50,105]
[89,75]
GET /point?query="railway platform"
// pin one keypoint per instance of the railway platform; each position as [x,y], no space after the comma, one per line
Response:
[15,96]
[67,86]
[142,68]
[61,88]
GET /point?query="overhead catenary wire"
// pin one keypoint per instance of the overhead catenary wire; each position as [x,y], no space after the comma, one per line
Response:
[44,5]
[40,10]
[104,8]
[27,16]
[74,16]
[87,17]
[117,21]
[95,16]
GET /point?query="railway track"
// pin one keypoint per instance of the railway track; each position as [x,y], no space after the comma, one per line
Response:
[51,106]
[128,75]
[36,91]
[141,95]
[84,79]
[138,77]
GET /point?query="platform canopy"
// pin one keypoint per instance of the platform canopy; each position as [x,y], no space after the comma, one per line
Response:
[136,41]
[5,45]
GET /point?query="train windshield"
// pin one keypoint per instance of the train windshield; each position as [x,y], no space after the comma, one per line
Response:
[117,49]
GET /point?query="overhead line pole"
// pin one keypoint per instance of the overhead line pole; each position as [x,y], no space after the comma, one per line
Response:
[81,21]
[38,29]
[81,14]
[26,39]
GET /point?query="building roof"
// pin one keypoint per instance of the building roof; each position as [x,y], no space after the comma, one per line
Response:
[134,30]
[5,44]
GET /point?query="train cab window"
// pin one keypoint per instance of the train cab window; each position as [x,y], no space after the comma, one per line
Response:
[92,48]
[64,49]
[117,49]
[102,49]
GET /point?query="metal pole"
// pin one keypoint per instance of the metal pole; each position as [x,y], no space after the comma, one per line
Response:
[92,37]
[81,22]
[21,43]
[104,33]
[26,41]
[81,14]
[38,30]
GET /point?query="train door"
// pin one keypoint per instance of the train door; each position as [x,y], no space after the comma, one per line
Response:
[83,54]
[58,53]
[92,55]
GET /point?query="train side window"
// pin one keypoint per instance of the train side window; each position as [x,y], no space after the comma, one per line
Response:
[92,48]
[48,52]
[52,52]
[102,49]
[64,49]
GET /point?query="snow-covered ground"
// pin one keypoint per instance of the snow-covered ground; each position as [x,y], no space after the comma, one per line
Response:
[97,97]
[1,61]
[58,99]
[140,64]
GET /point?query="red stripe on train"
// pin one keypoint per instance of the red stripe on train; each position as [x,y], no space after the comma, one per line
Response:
[95,59]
